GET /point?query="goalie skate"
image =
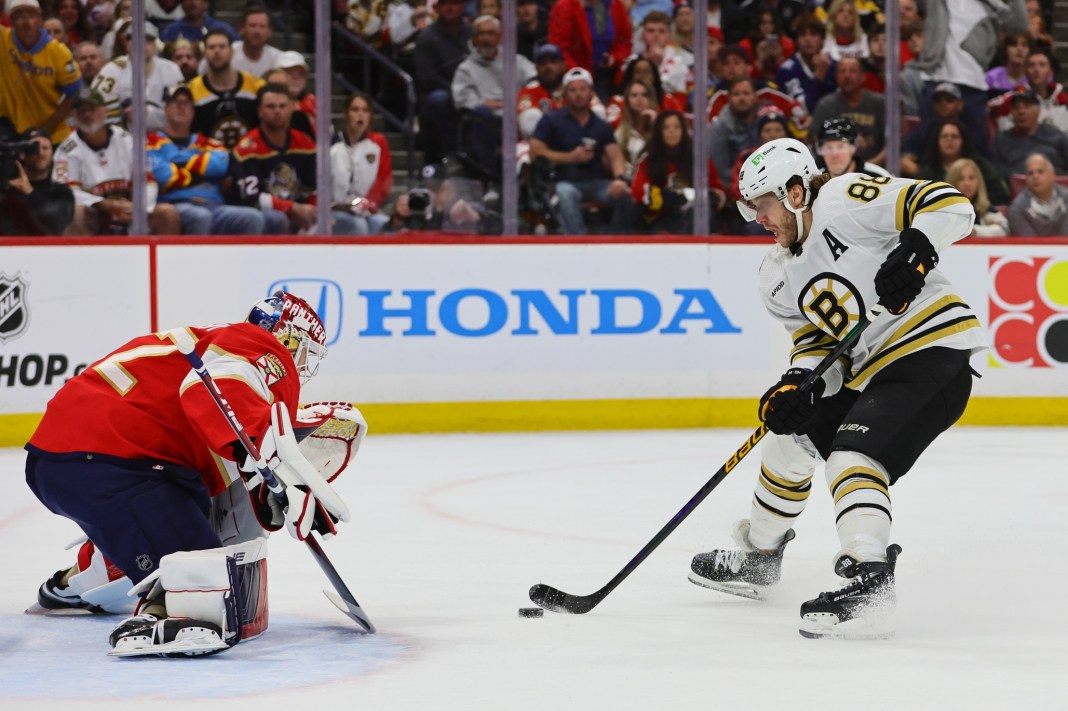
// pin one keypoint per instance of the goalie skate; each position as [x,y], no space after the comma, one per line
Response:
[145,636]
[862,609]
[745,572]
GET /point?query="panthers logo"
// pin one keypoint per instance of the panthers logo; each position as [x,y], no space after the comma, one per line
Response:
[284,183]
[831,303]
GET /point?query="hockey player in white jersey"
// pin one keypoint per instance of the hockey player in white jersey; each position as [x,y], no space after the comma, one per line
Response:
[844,244]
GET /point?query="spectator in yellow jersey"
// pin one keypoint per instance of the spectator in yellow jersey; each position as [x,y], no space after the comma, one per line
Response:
[38,77]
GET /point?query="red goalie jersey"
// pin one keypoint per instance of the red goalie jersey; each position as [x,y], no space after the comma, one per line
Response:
[144,402]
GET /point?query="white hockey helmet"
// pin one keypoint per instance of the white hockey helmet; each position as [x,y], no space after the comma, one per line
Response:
[296,326]
[770,169]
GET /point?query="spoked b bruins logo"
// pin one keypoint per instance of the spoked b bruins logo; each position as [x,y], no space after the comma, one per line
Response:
[832,303]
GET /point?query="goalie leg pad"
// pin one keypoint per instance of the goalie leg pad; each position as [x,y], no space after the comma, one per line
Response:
[212,597]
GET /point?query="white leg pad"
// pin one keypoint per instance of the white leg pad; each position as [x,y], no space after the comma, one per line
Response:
[198,583]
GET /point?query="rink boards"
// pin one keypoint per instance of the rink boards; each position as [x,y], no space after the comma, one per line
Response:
[504,334]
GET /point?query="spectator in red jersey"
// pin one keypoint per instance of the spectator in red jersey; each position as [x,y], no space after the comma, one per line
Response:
[663,186]
[595,35]
[362,170]
[543,93]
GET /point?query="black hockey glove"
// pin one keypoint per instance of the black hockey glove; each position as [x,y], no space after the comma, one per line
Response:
[901,277]
[784,408]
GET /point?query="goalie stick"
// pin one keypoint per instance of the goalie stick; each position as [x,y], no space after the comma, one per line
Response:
[556,600]
[342,599]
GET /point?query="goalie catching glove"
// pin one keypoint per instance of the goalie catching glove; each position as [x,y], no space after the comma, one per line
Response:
[310,503]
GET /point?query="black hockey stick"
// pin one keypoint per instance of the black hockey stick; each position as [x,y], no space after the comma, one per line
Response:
[555,600]
[343,599]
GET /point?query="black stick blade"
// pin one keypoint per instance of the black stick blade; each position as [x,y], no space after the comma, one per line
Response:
[353,611]
[553,600]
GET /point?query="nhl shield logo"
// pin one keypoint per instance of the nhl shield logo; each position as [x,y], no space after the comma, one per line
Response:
[14,313]
[144,561]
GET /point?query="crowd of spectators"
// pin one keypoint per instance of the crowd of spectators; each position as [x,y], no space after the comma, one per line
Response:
[604,113]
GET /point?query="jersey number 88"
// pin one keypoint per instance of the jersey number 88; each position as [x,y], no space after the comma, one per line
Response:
[866,189]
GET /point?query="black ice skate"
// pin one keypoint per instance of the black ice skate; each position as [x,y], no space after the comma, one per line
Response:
[54,598]
[862,609]
[148,635]
[746,572]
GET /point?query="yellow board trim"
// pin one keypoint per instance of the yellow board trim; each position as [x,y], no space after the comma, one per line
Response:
[666,413]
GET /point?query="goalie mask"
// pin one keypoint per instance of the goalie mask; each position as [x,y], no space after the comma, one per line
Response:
[296,326]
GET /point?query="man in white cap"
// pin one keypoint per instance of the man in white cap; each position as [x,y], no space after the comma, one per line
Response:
[38,77]
[297,69]
[115,83]
[577,142]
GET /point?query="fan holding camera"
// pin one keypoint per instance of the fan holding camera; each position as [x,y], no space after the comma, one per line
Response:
[445,203]
[31,203]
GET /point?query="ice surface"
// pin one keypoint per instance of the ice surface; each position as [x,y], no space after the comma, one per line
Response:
[449,533]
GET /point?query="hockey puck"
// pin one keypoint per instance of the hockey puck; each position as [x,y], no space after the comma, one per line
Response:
[531,612]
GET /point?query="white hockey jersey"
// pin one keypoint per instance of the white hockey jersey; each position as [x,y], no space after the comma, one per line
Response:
[97,174]
[114,82]
[824,289]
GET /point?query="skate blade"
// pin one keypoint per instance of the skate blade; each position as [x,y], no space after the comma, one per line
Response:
[824,626]
[37,609]
[746,590]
